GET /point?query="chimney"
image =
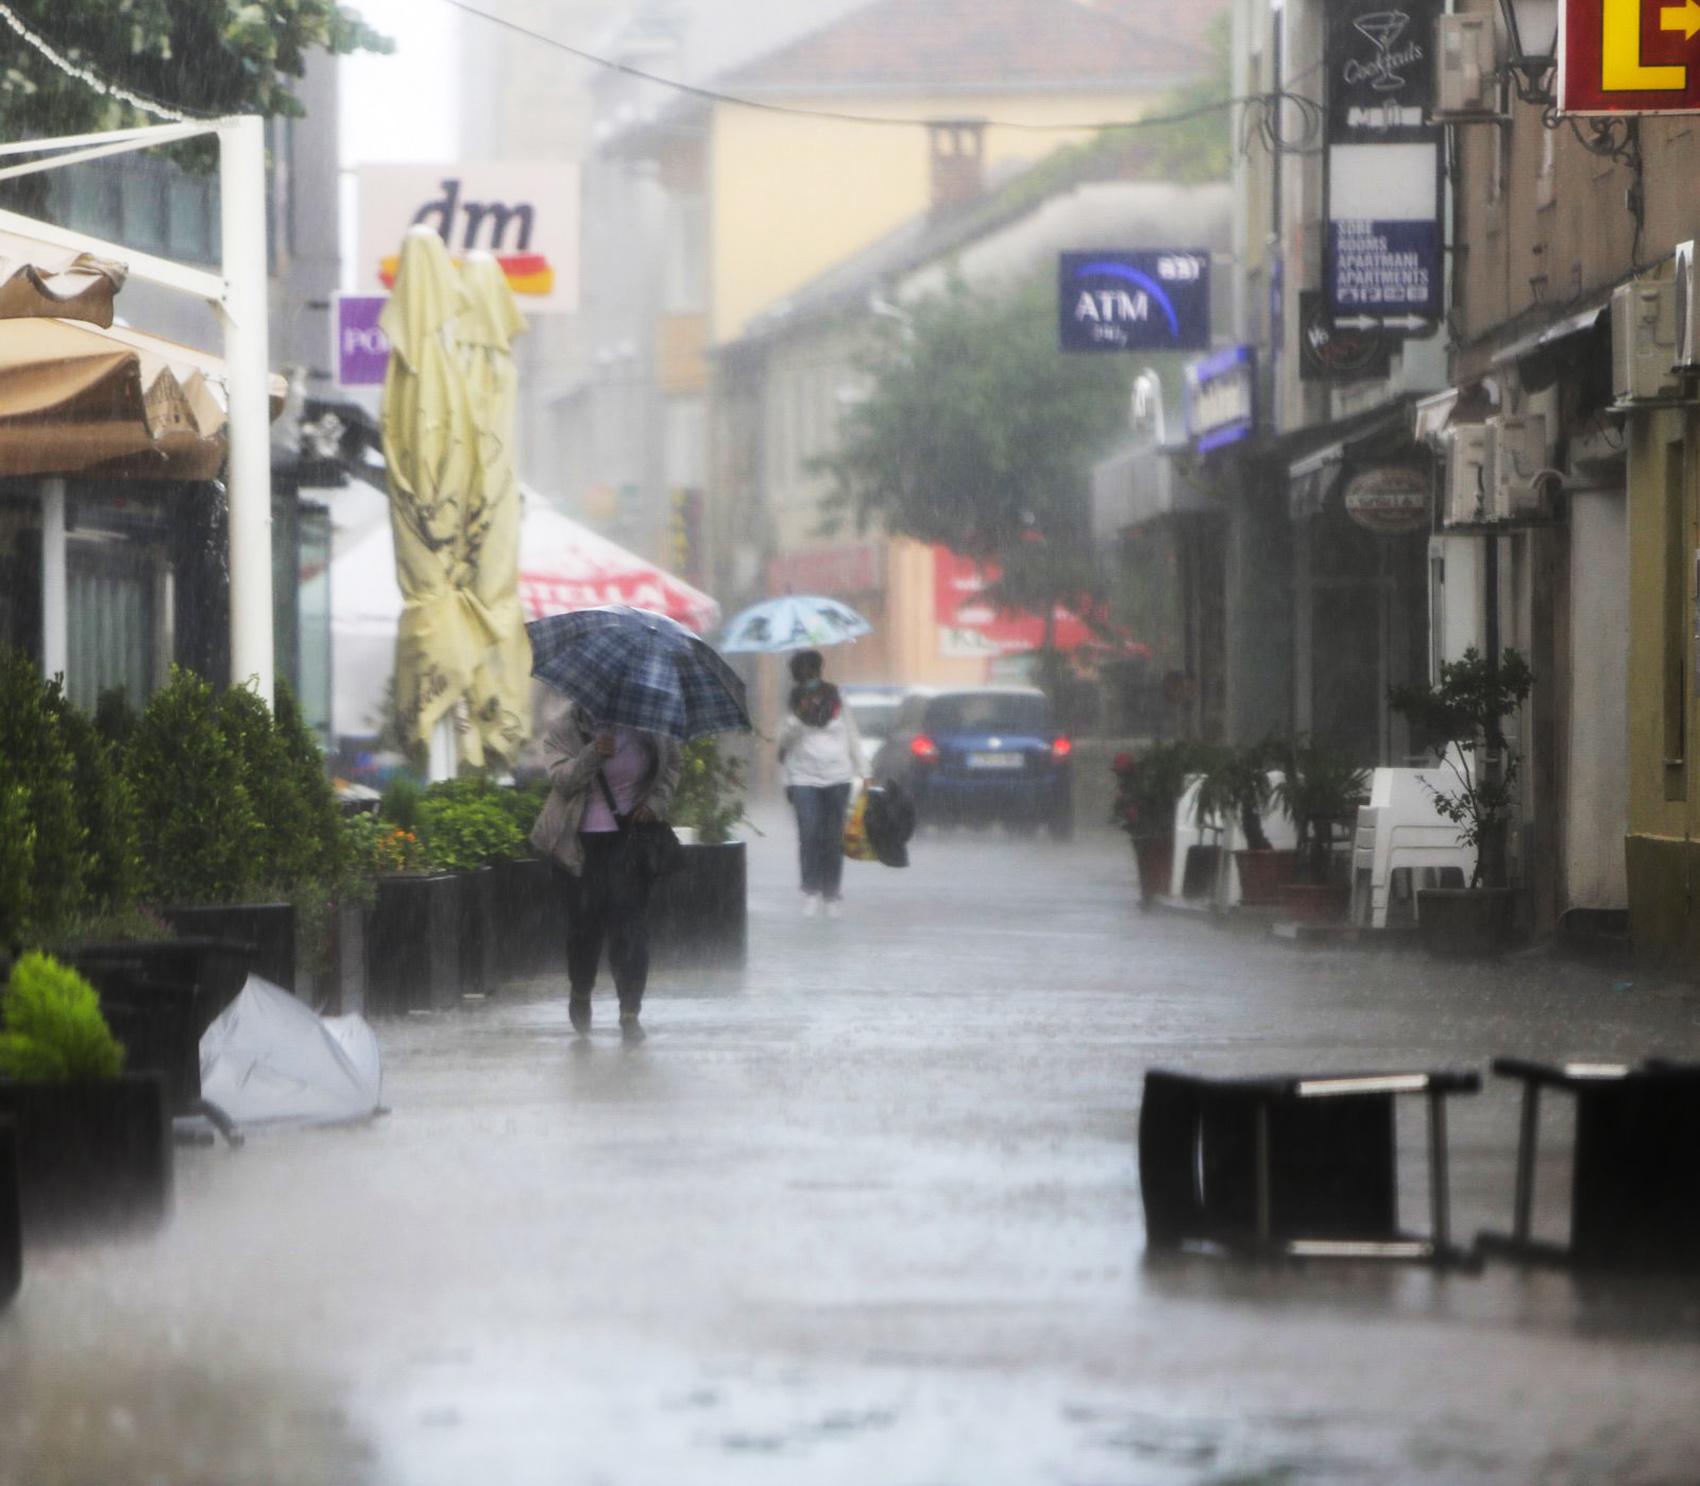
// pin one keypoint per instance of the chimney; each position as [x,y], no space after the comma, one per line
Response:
[958,158]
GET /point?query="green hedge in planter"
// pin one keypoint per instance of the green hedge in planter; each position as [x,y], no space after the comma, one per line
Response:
[202,841]
[461,835]
[46,855]
[710,796]
[106,806]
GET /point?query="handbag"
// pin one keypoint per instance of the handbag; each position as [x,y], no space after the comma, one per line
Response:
[652,848]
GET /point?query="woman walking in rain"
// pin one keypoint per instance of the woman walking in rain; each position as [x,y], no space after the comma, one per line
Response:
[604,779]
[822,756]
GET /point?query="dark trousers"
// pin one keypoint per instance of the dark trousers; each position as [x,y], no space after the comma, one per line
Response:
[820,835]
[606,903]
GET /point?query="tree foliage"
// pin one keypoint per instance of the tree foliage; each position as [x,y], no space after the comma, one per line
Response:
[208,57]
[979,434]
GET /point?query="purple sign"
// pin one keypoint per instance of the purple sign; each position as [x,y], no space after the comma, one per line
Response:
[362,349]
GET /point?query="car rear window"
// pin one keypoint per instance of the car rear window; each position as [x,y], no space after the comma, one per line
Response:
[988,712]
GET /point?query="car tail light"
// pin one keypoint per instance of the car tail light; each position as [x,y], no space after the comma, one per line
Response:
[1061,748]
[924,748]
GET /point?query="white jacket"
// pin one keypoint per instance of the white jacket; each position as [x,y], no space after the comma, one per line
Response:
[821,756]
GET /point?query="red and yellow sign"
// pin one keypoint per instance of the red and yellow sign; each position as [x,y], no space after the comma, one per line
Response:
[1629,57]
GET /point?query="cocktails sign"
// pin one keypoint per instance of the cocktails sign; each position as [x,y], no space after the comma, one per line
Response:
[1629,57]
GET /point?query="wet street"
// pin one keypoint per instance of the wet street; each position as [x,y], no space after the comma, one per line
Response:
[867,1213]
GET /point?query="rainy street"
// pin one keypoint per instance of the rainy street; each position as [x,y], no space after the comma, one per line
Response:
[868,1212]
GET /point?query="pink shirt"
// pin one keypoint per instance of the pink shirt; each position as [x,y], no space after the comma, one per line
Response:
[625,772]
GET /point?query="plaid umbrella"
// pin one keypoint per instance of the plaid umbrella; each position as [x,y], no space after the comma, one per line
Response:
[638,669]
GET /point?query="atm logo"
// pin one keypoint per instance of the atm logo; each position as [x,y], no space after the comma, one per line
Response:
[499,227]
[1629,57]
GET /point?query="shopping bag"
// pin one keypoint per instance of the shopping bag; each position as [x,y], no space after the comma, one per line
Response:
[856,844]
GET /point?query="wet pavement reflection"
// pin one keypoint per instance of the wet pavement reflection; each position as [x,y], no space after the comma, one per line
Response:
[866,1212]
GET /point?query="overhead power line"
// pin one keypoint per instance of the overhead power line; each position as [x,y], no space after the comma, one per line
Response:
[711,95]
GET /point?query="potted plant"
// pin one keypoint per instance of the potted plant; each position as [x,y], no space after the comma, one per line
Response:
[1462,717]
[1236,787]
[701,910]
[1318,789]
[1148,788]
[93,1142]
[205,851]
[529,923]
[466,831]
[413,944]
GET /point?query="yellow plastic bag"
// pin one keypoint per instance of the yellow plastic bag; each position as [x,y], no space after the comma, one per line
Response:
[856,844]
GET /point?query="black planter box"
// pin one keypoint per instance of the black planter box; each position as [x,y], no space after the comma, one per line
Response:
[11,1230]
[702,911]
[92,1157]
[413,948]
[268,927]
[531,935]
[348,978]
[479,975]
[159,999]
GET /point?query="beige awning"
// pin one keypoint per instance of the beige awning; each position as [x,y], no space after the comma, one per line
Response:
[77,400]
[40,280]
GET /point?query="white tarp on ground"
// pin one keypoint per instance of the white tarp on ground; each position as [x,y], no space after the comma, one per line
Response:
[270,1060]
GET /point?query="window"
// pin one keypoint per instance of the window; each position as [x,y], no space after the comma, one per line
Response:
[989,712]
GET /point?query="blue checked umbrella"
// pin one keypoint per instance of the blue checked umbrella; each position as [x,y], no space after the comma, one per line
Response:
[798,621]
[638,669]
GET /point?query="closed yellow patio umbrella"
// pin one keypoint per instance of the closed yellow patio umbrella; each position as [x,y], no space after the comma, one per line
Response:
[501,686]
[430,446]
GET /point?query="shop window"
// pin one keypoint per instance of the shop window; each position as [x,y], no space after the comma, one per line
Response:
[110,593]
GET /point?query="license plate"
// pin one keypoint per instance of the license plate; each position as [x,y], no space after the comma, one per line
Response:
[994,761]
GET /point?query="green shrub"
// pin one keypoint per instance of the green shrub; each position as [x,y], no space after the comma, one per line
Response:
[462,834]
[201,842]
[401,801]
[35,761]
[114,717]
[318,821]
[106,807]
[17,864]
[374,847]
[710,796]
[53,1028]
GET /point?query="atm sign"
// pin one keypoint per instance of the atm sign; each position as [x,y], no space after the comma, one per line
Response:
[1629,57]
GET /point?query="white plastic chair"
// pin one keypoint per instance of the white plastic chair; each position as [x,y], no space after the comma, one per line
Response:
[1401,830]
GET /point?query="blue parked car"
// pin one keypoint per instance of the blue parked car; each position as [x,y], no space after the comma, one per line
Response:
[979,755]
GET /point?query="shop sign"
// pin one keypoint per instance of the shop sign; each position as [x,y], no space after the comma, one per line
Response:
[1383,264]
[1156,300]
[362,349]
[839,572]
[1390,500]
[971,626]
[527,214]
[1331,353]
[1221,398]
[1629,57]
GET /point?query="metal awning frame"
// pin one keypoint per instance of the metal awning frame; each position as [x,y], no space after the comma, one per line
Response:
[238,296]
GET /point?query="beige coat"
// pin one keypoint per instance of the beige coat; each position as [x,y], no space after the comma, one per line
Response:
[573,763]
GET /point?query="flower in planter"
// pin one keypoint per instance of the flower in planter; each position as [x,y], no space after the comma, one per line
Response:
[54,1029]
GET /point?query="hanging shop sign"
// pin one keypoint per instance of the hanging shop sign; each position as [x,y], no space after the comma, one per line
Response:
[1383,268]
[1221,398]
[362,350]
[1389,499]
[1150,300]
[526,214]
[1629,57]
[1329,353]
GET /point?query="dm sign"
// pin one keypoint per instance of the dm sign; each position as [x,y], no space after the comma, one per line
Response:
[1134,301]
[1629,56]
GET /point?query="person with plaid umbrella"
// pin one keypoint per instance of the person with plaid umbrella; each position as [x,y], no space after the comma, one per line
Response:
[639,684]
